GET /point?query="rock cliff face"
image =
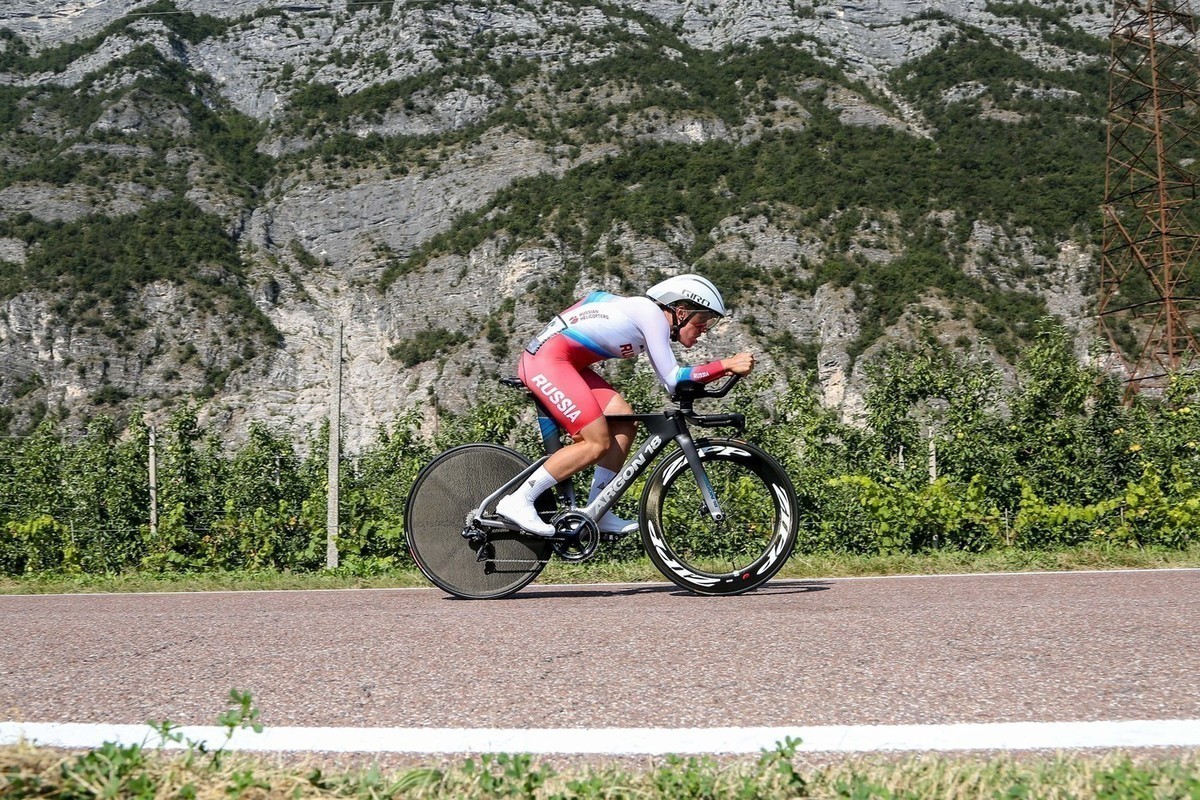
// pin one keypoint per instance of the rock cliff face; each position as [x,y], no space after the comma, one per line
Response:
[356,155]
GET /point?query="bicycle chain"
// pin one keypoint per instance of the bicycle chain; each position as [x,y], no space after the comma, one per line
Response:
[538,561]
[604,538]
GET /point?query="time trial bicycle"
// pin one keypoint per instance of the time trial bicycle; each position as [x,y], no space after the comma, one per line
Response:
[717,516]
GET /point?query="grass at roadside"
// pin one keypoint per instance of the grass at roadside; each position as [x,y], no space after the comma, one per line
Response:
[129,771]
[801,565]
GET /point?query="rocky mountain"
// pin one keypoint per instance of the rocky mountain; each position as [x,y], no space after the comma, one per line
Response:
[194,195]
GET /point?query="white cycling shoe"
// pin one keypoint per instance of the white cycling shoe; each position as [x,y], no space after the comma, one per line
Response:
[611,523]
[517,511]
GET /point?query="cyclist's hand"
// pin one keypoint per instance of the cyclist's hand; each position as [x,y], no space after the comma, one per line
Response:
[741,364]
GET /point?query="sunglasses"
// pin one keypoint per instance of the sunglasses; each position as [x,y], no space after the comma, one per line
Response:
[704,320]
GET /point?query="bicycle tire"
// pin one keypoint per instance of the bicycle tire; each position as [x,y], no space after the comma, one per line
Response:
[443,494]
[737,555]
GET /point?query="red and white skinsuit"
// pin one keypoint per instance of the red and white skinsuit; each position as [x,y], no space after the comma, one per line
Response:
[557,362]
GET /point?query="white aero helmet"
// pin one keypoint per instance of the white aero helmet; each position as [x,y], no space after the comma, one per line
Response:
[694,290]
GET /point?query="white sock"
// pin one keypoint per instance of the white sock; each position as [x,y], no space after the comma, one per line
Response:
[535,484]
[600,478]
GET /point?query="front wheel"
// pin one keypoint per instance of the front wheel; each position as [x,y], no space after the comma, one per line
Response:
[741,552]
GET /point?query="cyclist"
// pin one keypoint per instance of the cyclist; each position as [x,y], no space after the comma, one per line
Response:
[556,366]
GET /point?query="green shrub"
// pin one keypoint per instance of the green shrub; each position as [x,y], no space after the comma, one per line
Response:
[1054,461]
[425,346]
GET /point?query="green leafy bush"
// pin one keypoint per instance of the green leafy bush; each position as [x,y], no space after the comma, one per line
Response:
[427,345]
[1053,461]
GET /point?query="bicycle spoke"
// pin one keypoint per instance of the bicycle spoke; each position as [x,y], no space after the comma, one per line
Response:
[747,546]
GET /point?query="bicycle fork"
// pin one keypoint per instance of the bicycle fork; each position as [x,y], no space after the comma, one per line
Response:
[688,446]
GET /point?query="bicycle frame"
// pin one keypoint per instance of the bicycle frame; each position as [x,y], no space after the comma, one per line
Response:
[662,428]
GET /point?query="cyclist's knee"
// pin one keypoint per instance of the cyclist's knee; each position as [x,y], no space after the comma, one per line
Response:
[594,440]
[617,405]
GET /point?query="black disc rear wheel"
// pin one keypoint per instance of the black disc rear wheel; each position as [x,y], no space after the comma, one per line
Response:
[442,497]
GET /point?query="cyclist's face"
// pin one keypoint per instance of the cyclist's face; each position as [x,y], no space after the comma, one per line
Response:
[696,323]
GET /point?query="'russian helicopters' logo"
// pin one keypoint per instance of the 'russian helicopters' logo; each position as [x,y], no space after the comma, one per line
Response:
[556,398]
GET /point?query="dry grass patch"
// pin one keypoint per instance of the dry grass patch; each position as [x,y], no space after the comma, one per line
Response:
[27,771]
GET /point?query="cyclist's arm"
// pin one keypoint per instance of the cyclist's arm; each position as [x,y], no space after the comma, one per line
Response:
[662,358]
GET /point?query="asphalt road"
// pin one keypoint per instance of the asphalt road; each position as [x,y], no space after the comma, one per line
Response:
[996,648]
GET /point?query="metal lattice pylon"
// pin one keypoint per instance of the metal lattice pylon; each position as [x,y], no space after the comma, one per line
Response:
[1148,305]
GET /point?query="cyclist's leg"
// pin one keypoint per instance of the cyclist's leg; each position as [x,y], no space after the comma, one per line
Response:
[568,397]
[610,463]
[575,397]
[621,432]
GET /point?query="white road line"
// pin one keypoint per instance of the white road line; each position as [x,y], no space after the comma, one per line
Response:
[636,741]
